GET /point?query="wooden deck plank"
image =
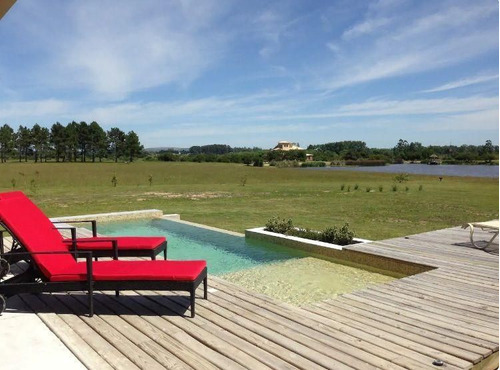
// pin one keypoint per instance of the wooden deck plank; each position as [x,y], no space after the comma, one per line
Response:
[450,312]
[292,331]
[168,342]
[440,341]
[80,348]
[314,319]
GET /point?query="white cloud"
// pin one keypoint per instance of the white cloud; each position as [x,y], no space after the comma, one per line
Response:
[414,43]
[463,82]
[365,27]
[112,49]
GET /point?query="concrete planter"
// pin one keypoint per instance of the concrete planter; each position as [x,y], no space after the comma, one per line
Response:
[309,245]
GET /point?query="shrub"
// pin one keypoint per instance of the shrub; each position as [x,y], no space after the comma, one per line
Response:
[420,188]
[243,181]
[342,236]
[401,177]
[365,162]
[114,181]
[381,188]
[356,187]
[368,189]
[279,225]
[407,188]
[258,163]
[304,233]
[313,164]
[342,187]
[348,188]
[394,187]
[150,180]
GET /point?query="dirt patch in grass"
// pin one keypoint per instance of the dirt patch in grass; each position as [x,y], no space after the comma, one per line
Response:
[192,196]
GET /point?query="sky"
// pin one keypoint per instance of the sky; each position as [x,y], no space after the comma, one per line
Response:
[251,73]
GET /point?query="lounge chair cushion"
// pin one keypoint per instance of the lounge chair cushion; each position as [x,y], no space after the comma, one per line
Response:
[124,242]
[33,228]
[133,271]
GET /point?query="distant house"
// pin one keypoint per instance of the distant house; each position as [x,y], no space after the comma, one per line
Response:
[434,159]
[287,145]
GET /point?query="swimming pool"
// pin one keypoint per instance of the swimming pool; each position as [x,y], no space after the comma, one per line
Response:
[288,274]
[223,252]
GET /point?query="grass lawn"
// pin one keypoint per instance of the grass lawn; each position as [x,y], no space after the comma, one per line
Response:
[236,197]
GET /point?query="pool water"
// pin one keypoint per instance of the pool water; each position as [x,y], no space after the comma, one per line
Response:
[223,252]
[284,273]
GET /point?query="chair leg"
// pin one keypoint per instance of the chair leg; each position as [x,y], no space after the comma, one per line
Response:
[165,254]
[117,293]
[192,302]
[205,288]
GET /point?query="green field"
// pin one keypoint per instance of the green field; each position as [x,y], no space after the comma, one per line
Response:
[236,197]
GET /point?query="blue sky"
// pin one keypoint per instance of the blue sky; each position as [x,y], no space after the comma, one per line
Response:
[250,73]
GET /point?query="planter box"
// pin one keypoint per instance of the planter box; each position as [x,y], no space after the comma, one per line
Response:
[314,246]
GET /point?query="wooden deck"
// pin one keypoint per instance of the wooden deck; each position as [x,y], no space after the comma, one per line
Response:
[449,313]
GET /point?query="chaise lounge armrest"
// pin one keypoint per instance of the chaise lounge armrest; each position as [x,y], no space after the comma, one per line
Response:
[74,244]
[88,258]
[93,222]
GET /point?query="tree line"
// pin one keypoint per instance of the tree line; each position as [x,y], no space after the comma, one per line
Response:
[71,143]
[405,151]
[351,151]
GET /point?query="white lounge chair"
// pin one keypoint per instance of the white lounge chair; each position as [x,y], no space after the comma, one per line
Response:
[491,226]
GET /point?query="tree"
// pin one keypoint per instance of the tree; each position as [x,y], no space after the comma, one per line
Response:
[23,142]
[58,139]
[97,141]
[82,133]
[132,145]
[72,141]
[6,142]
[116,138]
[40,136]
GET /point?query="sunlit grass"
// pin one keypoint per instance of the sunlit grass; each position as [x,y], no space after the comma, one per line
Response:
[236,197]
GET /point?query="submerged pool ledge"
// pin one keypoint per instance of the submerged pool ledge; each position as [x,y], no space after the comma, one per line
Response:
[342,254]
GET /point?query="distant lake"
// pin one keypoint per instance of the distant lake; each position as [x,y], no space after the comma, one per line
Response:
[422,169]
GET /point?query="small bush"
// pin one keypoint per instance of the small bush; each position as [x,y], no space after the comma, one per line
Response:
[348,188]
[258,163]
[342,187]
[420,188]
[394,188]
[150,180]
[368,189]
[401,177]
[365,162]
[304,233]
[243,181]
[407,188]
[114,181]
[342,236]
[381,188]
[279,225]
[356,187]
[313,164]
[13,182]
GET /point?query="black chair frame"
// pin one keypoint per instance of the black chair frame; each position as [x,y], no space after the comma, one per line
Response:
[76,244]
[34,281]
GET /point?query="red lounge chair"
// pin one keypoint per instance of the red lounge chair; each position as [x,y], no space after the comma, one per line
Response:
[54,269]
[123,246]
